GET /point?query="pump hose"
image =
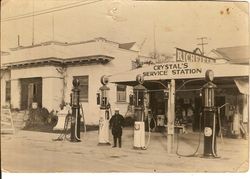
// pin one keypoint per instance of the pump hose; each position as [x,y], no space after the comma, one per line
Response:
[76,126]
[64,134]
[84,124]
[193,154]
[149,136]
[220,126]
[213,138]
[221,135]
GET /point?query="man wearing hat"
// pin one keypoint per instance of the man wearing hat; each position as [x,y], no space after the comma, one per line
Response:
[116,124]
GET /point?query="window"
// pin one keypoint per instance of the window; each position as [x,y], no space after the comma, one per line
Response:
[7,91]
[84,87]
[121,93]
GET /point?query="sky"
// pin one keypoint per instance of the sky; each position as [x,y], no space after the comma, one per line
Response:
[172,24]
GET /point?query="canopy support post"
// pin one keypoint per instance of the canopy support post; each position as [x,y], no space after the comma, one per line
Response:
[171,116]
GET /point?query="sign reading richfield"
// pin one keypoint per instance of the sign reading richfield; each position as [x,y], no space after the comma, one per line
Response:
[172,69]
[186,56]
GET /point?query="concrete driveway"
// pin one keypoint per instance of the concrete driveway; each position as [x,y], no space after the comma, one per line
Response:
[28,151]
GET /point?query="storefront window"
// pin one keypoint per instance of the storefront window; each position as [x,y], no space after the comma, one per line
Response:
[84,87]
[121,93]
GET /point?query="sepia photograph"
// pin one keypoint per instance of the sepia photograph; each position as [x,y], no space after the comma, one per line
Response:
[124,86]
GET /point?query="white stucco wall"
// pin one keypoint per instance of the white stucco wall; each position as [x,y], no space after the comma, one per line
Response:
[120,63]
[52,93]
[32,72]
[15,93]
[52,85]
[5,76]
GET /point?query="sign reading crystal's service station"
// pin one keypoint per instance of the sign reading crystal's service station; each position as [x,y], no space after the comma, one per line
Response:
[172,69]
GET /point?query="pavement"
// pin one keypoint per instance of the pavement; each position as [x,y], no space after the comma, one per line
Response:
[30,151]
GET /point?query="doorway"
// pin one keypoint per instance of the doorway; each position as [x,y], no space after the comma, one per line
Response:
[31,91]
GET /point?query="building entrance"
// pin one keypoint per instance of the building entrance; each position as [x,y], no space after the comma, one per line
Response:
[31,91]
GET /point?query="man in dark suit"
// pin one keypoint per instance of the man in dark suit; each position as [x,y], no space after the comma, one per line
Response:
[116,123]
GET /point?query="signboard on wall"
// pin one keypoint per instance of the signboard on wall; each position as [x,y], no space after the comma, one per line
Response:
[173,69]
[6,121]
[186,56]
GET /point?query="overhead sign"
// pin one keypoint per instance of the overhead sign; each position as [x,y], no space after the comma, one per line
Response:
[172,69]
[180,70]
[186,56]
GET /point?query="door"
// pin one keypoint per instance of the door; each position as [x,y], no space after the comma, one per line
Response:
[31,91]
[31,94]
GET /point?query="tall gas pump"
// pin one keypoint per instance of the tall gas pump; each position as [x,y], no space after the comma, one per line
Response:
[76,117]
[139,126]
[104,113]
[209,115]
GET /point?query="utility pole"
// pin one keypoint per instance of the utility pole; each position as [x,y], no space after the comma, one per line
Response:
[18,40]
[53,28]
[154,43]
[202,43]
[33,26]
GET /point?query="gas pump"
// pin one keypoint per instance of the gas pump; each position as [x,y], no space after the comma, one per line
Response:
[209,115]
[75,121]
[139,126]
[104,113]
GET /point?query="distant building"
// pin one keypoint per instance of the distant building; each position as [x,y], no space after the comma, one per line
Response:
[236,54]
[43,73]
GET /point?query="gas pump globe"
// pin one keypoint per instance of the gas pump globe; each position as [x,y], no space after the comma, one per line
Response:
[209,115]
[104,113]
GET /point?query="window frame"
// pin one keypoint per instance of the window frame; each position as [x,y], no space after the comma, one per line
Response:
[120,92]
[82,99]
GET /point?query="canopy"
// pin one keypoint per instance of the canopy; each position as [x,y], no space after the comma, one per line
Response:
[180,70]
[242,85]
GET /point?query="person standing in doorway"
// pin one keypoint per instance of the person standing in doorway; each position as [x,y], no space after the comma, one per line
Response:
[116,124]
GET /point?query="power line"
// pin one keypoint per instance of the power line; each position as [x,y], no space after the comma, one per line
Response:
[47,12]
[52,8]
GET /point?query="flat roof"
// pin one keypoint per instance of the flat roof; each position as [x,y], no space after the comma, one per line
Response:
[59,61]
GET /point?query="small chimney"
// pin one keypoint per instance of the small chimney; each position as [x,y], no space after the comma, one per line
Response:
[18,40]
